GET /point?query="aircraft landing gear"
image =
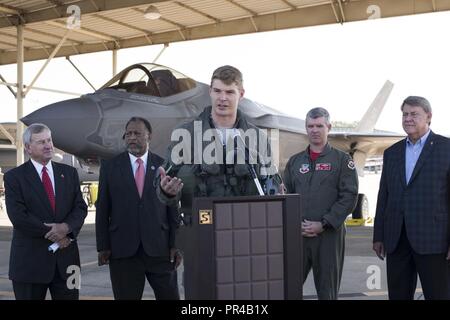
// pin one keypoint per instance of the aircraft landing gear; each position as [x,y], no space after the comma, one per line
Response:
[362,208]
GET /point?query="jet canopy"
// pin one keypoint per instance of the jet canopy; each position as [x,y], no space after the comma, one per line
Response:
[150,79]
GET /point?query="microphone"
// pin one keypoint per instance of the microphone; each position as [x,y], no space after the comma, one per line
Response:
[249,161]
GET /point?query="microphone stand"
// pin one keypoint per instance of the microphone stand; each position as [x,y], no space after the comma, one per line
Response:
[251,167]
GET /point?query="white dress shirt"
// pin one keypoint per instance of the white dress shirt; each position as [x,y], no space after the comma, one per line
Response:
[134,164]
[38,166]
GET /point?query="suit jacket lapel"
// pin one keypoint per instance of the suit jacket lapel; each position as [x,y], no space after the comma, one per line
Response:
[402,166]
[150,172]
[127,172]
[60,188]
[426,151]
[36,183]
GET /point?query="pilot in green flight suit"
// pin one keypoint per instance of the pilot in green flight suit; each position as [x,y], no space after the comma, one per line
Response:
[192,170]
[328,183]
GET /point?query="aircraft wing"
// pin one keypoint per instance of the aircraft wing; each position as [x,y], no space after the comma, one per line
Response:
[364,145]
[373,144]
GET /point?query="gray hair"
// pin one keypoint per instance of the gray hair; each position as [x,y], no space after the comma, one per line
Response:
[318,113]
[33,129]
[416,101]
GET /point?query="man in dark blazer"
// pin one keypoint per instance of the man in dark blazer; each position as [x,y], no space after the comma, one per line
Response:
[135,231]
[45,206]
[412,217]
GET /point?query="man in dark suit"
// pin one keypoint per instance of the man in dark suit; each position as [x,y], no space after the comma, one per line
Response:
[412,217]
[135,231]
[45,206]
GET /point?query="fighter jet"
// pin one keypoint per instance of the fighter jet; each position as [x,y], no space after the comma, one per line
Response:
[91,127]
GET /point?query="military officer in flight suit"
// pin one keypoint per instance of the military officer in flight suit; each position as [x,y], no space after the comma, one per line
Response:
[327,180]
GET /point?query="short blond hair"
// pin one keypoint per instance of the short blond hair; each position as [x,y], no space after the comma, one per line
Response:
[228,75]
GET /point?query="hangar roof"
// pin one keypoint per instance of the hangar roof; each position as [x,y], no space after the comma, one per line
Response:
[114,24]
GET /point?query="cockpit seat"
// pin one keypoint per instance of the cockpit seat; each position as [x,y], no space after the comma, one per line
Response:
[146,89]
[166,82]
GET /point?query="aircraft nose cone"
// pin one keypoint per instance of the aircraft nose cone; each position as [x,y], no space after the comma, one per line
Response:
[70,122]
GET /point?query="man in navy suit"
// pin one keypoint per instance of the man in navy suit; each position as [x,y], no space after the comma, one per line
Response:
[45,206]
[412,218]
[135,231]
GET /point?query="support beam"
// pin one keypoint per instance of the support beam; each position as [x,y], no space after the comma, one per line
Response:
[290,5]
[7,134]
[86,7]
[82,75]
[12,45]
[338,19]
[254,24]
[183,37]
[123,24]
[20,126]
[55,2]
[42,43]
[342,10]
[210,17]
[8,86]
[75,49]
[9,10]
[50,35]
[160,53]
[253,13]
[114,62]
[43,89]
[91,33]
[303,16]
[48,60]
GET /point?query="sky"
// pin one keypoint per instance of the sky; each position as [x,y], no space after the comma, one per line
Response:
[338,67]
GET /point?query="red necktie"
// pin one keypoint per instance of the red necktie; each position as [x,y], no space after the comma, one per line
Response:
[140,176]
[48,187]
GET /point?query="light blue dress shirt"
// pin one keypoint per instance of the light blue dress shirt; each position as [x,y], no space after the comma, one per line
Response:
[413,151]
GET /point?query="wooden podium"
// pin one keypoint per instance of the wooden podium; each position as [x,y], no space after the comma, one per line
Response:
[243,248]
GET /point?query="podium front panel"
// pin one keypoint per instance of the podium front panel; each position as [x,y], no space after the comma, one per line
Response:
[248,249]
[248,240]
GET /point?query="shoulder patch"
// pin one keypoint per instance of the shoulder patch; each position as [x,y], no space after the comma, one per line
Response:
[304,168]
[351,164]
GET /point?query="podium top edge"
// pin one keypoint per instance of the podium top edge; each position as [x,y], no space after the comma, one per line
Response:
[248,198]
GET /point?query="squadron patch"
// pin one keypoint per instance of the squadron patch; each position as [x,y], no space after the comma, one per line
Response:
[304,168]
[351,164]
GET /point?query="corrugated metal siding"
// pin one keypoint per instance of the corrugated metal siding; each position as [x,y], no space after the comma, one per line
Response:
[10,35]
[182,15]
[264,6]
[59,32]
[223,10]
[29,5]
[306,3]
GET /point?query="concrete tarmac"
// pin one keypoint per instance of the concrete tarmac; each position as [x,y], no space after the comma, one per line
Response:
[364,275]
